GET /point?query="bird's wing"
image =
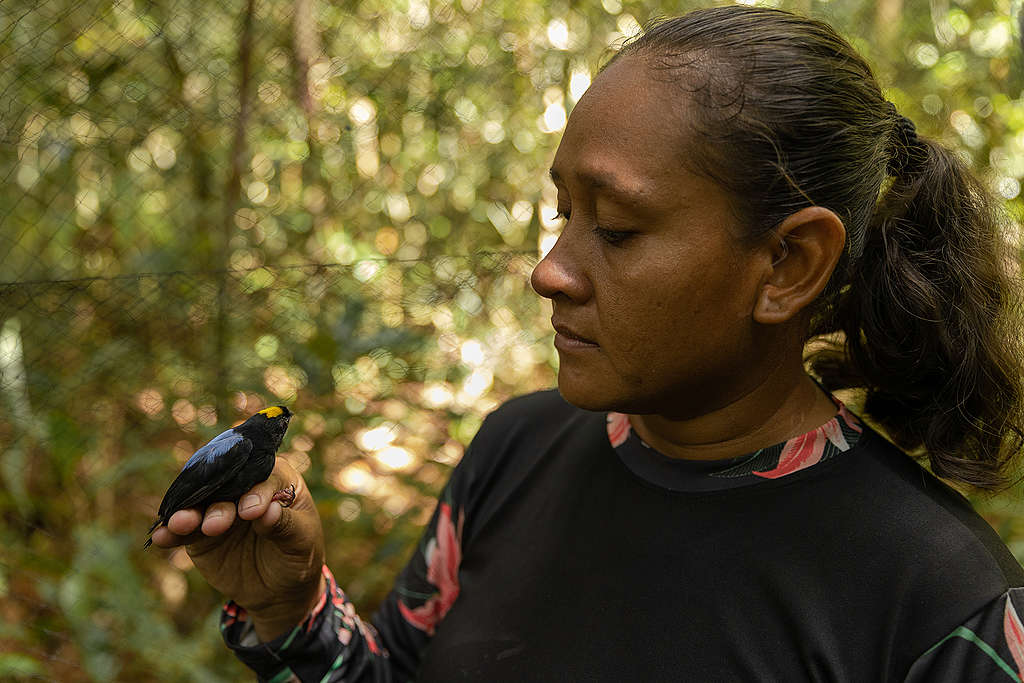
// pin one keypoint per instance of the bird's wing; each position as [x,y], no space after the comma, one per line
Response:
[214,448]
[206,471]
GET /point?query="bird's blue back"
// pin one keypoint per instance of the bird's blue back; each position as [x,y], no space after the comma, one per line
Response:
[216,447]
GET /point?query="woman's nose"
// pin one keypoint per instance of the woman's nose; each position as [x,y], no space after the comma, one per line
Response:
[560,273]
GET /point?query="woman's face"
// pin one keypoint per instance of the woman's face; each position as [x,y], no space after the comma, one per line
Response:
[652,290]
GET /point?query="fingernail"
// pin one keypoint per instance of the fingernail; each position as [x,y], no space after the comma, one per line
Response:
[215,513]
[250,501]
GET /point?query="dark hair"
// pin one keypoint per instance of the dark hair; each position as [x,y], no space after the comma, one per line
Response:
[920,310]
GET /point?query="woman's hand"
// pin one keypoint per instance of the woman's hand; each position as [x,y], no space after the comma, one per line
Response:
[268,560]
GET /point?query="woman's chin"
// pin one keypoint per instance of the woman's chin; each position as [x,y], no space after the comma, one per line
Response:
[588,394]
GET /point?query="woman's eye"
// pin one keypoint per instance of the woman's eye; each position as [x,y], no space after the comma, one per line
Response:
[612,236]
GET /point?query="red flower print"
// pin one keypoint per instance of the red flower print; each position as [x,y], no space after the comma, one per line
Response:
[618,429]
[834,433]
[235,613]
[1013,631]
[443,556]
[370,635]
[799,452]
[317,608]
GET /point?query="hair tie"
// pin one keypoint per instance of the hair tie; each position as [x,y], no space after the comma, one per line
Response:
[906,143]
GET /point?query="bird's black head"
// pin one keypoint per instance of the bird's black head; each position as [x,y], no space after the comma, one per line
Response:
[272,421]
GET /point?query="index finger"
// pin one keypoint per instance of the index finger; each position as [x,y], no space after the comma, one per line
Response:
[181,529]
[184,522]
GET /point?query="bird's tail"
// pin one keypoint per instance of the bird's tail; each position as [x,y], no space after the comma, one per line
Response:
[149,541]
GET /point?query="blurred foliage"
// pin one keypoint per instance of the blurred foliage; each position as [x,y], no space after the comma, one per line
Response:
[209,207]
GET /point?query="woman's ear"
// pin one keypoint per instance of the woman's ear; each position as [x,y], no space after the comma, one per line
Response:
[809,244]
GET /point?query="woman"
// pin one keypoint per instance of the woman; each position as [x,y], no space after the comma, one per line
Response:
[691,505]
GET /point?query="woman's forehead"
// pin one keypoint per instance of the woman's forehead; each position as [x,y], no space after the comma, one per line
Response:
[625,92]
[626,136]
[625,114]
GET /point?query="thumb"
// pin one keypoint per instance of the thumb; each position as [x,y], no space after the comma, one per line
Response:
[297,522]
[275,521]
[256,502]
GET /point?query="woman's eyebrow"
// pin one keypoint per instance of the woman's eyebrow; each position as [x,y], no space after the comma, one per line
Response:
[627,193]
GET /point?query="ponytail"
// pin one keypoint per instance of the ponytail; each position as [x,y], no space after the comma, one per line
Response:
[931,326]
[922,302]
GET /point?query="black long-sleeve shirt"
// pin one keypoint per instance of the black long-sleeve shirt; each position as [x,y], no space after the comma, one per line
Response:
[564,548]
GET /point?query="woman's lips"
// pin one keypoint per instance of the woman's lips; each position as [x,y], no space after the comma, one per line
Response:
[568,340]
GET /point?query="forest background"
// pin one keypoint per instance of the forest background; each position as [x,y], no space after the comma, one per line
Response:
[209,207]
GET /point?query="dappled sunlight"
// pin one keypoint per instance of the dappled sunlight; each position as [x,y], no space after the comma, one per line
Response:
[346,226]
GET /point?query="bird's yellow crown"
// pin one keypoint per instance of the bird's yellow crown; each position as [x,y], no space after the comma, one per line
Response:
[272,411]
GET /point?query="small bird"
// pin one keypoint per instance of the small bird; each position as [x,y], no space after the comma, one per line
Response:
[229,465]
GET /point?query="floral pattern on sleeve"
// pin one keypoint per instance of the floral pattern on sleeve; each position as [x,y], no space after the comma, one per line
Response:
[442,556]
[1013,634]
[988,647]
[331,644]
